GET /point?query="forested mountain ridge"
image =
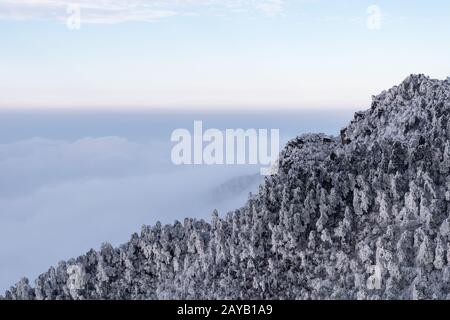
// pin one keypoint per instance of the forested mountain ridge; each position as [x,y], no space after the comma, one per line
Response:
[341,210]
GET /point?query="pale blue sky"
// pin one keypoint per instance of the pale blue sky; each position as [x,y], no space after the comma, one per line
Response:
[212,54]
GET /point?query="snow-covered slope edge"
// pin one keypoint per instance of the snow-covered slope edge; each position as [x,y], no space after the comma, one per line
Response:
[370,204]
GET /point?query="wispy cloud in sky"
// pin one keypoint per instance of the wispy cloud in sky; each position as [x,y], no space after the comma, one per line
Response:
[272,7]
[116,11]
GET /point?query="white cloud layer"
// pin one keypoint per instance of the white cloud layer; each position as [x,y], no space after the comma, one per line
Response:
[58,199]
[116,11]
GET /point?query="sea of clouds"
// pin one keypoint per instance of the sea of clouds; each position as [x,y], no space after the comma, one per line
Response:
[68,183]
[58,198]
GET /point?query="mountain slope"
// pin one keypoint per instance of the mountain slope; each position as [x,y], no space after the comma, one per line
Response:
[360,216]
